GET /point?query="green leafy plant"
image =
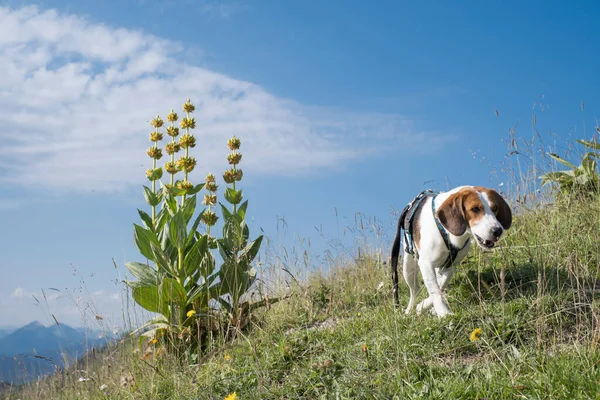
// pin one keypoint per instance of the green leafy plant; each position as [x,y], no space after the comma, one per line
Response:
[582,180]
[180,281]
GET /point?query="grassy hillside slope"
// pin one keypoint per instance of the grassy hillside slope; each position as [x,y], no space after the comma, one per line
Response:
[534,299]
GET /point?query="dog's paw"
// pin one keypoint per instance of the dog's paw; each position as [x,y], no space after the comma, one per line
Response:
[442,313]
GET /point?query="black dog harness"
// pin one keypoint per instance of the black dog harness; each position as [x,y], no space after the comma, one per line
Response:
[407,225]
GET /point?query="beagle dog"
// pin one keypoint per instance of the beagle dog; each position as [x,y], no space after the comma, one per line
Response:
[438,232]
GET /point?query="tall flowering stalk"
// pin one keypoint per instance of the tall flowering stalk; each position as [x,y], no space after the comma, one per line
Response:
[155,153]
[233,174]
[186,141]
[172,147]
[210,199]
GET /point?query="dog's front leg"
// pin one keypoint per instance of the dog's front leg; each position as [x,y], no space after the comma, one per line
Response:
[436,298]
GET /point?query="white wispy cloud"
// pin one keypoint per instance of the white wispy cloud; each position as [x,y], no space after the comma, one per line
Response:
[77,96]
[22,293]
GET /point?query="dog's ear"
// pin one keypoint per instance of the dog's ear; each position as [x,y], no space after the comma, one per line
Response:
[504,214]
[452,216]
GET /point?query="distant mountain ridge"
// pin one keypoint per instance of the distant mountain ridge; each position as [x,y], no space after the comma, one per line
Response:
[34,349]
[5,332]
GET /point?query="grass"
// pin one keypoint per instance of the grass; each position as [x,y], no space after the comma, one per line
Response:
[338,337]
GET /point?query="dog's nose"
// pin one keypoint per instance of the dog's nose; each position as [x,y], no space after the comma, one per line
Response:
[496,231]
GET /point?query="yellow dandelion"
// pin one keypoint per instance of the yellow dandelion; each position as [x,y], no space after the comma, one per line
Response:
[365,348]
[191,313]
[231,396]
[474,336]
[153,341]
[227,357]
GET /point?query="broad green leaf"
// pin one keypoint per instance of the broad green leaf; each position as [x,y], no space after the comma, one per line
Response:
[172,205]
[161,219]
[178,230]
[192,258]
[156,174]
[245,235]
[175,191]
[145,273]
[194,227]
[225,211]
[232,234]
[172,291]
[561,160]
[241,211]
[188,208]
[146,219]
[196,189]
[198,258]
[153,199]
[592,145]
[205,291]
[148,297]
[233,196]
[251,250]
[225,253]
[143,239]
[133,284]
[162,260]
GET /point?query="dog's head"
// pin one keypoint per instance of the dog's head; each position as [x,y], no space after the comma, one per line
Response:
[481,211]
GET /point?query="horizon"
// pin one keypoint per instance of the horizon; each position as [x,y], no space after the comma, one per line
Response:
[344,110]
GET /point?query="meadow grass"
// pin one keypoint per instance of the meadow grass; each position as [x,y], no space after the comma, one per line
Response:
[535,300]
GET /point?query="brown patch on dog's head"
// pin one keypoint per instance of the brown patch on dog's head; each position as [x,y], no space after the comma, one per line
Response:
[461,210]
[499,206]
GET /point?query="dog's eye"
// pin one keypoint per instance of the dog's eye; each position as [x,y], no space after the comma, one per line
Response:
[494,208]
[475,209]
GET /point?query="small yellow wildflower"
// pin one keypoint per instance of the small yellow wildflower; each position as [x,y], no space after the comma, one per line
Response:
[172,117]
[188,106]
[227,357]
[191,313]
[234,158]
[153,341]
[234,143]
[232,396]
[184,185]
[157,122]
[365,348]
[210,178]
[475,334]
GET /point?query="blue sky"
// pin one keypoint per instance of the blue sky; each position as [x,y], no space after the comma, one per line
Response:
[342,107]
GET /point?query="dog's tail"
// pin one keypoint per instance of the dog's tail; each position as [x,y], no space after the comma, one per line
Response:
[395,253]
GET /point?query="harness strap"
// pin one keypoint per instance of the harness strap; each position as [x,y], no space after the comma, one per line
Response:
[409,212]
[407,224]
[453,250]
